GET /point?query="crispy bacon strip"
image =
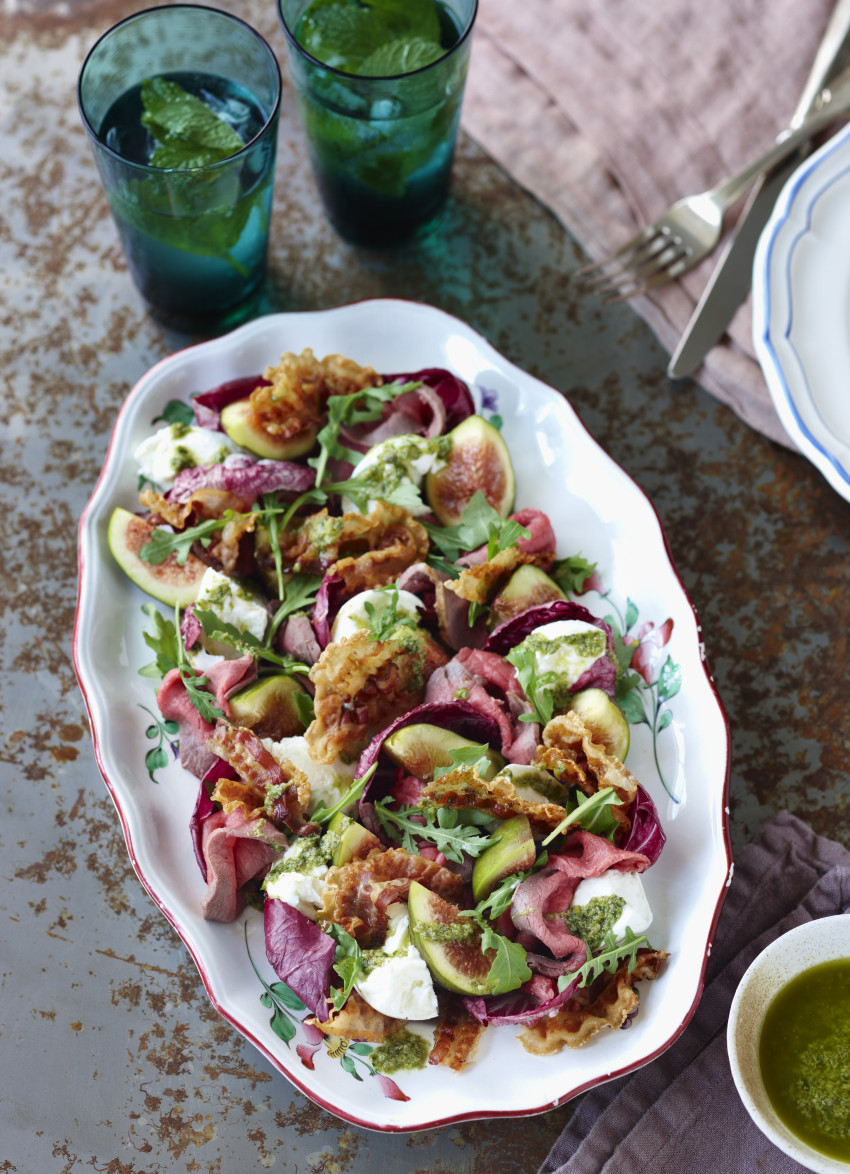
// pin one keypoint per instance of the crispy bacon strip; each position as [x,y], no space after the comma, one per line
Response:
[243,750]
[299,387]
[456,1035]
[357,1020]
[574,757]
[607,1002]
[234,795]
[360,892]
[363,684]
[368,550]
[465,788]
[481,582]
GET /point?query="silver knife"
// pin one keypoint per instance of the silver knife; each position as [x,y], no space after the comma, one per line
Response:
[732,277]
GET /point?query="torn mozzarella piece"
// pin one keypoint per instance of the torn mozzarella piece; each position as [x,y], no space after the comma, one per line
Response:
[232,603]
[352,616]
[302,887]
[180,446]
[400,985]
[636,914]
[328,781]
[400,460]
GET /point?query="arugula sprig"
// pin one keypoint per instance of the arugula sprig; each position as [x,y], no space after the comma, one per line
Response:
[324,814]
[467,758]
[297,593]
[608,959]
[442,828]
[479,524]
[500,899]
[360,407]
[572,573]
[244,642]
[539,688]
[167,644]
[383,623]
[592,812]
[348,963]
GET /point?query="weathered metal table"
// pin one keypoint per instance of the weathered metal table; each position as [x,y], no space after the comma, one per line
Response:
[111,1058]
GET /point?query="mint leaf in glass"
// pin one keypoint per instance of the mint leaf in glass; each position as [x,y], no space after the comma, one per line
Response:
[188,133]
[401,56]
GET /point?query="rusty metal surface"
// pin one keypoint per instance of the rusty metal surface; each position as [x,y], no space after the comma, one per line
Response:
[111,1058]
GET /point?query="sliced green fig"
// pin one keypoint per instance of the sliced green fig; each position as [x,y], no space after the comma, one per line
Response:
[604,718]
[422,748]
[241,424]
[479,459]
[527,587]
[449,943]
[268,707]
[513,852]
[167,581]
[350,840]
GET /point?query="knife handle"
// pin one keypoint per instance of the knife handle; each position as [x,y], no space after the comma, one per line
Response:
[828,60]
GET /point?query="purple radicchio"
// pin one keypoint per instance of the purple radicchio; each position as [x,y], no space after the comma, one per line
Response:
[646,835]
[204,808]
[300,954]
[208,405]
[244,476]
[602,674]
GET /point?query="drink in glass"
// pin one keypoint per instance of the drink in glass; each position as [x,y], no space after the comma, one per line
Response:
[380,85]
[181,106]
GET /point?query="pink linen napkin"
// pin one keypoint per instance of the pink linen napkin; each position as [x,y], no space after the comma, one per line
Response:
[682,1112]
[608,111]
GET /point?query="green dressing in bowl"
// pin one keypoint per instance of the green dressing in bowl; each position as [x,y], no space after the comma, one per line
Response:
[804,1056]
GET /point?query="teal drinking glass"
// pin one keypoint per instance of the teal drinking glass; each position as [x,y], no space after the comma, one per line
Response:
[195,232]
[381,146]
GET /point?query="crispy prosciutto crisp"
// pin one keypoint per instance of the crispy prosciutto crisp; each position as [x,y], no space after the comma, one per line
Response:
[570,752]
[457,1033]
[295,391]
[607,1002]
[360,892]
[256,766]
[363,684]
[465,788]
[357,1020]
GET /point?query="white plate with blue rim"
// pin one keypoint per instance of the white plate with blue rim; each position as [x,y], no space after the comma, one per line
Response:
[680,736]
[801,309]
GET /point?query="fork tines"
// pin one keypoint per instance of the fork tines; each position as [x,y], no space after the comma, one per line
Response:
[649,259]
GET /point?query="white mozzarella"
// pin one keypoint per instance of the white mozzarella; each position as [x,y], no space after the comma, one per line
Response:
[234,604]
[180,446]
[400,460]
[565,655]
[636,915]
[304,889]
[352,616]
[328,781]
[401,987]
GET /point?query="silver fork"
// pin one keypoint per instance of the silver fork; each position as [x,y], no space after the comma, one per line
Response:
[691,228]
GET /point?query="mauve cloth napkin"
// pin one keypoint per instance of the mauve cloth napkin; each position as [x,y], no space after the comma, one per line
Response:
[608,111]
[682,1112]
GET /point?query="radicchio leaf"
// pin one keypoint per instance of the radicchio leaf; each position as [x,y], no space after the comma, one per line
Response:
[208,405]
[517,1008]
[300,954]
[244,476]
[329,598]
[454,393]
[646,835]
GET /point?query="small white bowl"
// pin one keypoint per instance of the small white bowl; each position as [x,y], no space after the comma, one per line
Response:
[796,951]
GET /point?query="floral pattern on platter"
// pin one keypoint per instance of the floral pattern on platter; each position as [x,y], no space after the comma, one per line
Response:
[643,687]
[288,1023]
